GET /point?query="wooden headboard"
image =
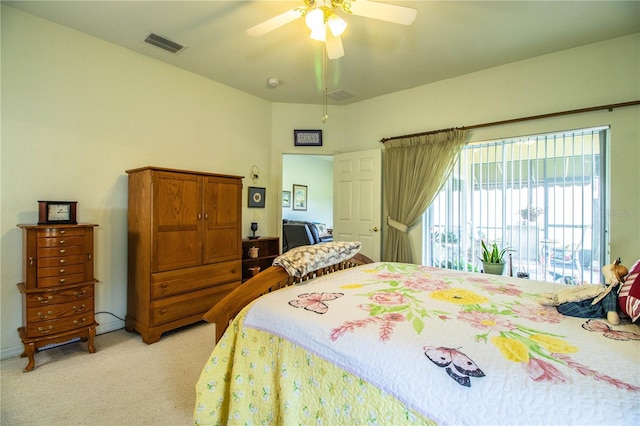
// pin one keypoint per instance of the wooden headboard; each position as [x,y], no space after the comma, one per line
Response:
[272,278]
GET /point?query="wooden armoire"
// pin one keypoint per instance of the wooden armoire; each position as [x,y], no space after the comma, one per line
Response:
[185,248]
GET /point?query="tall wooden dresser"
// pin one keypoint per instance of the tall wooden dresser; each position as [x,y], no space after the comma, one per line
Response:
[58,288]
[184,246]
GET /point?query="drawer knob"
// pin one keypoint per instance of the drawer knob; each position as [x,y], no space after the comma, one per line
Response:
[63,251]
[163,311]
[43,300]
[164,285]
[80,309]
[62,241]
[63,260]
[79,322]
[45,315]
[63,231]
[31,262]
[79,293]
[45,330]
[62,280]
[62,270]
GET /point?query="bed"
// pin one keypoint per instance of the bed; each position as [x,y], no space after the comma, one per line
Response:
[344,340]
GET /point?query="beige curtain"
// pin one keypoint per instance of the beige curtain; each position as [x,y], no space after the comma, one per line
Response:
[415,168]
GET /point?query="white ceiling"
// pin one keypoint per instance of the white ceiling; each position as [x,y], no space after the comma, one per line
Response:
[447,39]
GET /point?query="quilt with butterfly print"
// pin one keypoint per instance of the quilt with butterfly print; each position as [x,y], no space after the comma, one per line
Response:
[450,346]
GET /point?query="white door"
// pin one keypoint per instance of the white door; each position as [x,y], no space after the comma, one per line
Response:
[357,193]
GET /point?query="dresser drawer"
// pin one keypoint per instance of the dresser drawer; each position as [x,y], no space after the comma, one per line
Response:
[40,298]
[43,328]
[192,303]
[61,241]
[60,310]
[60,251]
[60,232]
[48,262]
[169,283]
[60,280]
[61,271]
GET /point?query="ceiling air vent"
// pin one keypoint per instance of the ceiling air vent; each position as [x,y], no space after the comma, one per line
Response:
[339,95]
[166,44]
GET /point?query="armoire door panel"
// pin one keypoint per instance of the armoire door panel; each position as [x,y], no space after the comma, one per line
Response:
[222,206]
[177,221]
[179,250]
[222,244]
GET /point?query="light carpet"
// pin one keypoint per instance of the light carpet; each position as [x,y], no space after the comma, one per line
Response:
[126,382]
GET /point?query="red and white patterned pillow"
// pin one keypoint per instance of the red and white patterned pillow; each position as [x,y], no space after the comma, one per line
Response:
[629,296]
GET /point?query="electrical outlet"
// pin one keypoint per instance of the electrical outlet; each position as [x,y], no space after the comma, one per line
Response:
[257,215]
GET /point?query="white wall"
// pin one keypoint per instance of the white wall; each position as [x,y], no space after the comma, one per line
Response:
[597,74]
[75,118]
[316,172]
[76,113]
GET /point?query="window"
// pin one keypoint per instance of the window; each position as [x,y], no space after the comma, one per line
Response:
[541,196]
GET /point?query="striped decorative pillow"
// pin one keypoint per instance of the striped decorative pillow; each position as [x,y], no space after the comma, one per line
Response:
[301,260]
[629,296]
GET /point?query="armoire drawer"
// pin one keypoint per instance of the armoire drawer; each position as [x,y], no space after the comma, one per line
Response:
[177,307]
[164,284]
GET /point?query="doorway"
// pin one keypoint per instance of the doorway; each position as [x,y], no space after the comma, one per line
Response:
[315,174]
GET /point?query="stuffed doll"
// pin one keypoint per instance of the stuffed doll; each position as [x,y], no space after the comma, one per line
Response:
[591,300]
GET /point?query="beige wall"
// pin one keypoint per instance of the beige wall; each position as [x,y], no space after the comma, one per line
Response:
[597,74]
[77,112]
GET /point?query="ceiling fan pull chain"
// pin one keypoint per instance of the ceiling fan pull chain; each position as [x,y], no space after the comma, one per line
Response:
[325,108]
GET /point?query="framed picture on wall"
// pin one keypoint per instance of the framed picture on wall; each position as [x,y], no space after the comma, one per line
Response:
[286,198]
[256,197]
[299,197]
[307,137]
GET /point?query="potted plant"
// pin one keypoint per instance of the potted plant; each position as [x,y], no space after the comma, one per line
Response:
[493,258]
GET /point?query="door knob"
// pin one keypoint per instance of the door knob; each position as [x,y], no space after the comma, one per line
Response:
[375,229]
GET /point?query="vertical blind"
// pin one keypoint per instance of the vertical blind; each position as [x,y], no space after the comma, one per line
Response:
[541,196]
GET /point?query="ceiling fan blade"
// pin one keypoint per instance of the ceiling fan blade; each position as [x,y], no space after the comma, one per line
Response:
[274,23]
[335,49]
[384,12]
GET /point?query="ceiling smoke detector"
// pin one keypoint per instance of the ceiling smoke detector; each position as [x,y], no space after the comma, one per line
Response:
[273,82]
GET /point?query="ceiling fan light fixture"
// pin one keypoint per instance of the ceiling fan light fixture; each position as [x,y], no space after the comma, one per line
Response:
[314,19]
[337,25]
[319,33]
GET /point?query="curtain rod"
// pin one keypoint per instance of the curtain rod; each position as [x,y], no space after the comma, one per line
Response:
[610,107]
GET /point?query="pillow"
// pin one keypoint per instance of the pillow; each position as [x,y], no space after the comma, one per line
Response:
[629,295]
[322,228]
[314,232]
[301,260]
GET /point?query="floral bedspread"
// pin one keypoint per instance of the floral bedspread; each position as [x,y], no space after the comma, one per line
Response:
[455,347]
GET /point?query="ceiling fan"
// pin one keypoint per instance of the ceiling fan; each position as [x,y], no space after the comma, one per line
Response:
[321,14]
